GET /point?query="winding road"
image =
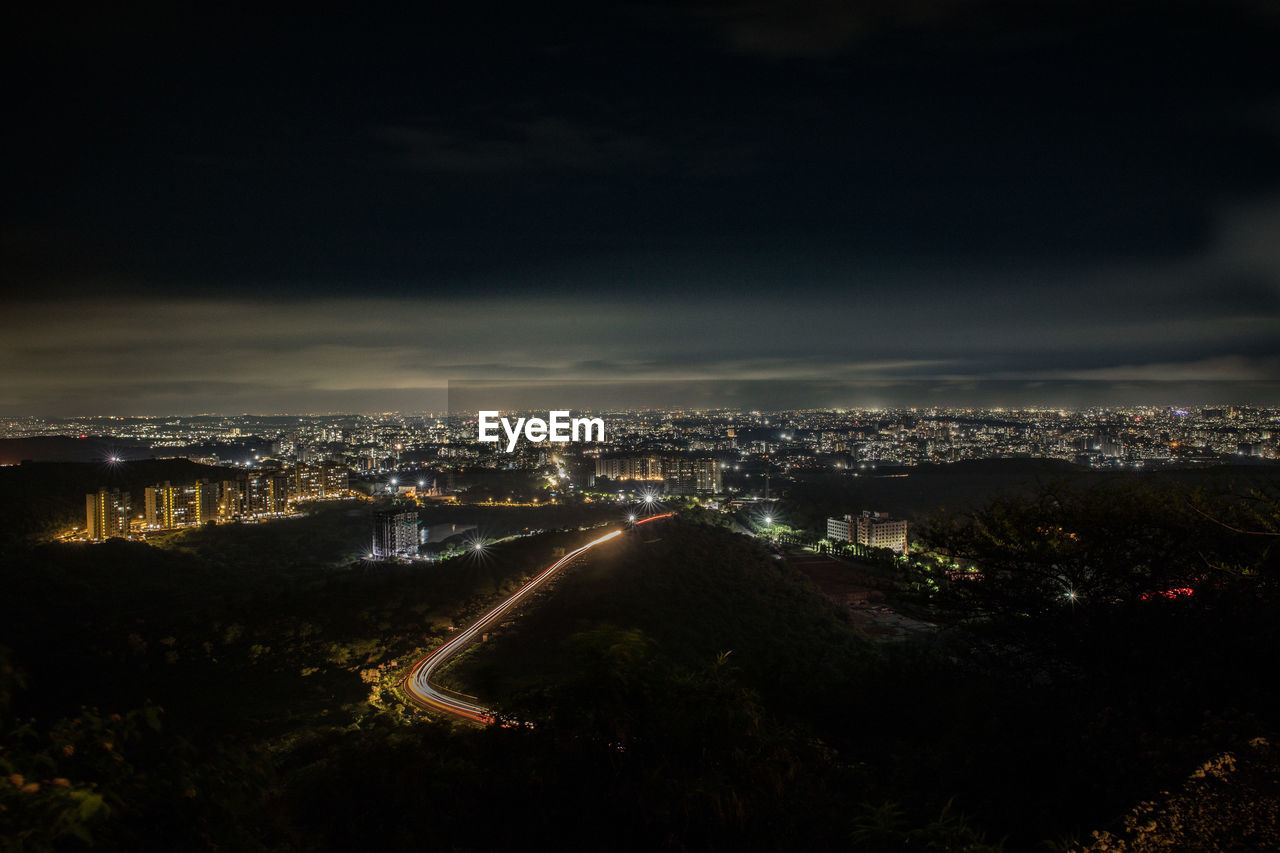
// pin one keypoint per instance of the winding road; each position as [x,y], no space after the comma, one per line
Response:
[417,684]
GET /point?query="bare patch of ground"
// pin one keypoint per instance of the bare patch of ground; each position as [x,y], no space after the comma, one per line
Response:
[860,590]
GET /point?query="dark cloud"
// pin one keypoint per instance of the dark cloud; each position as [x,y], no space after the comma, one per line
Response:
[545,142]
[313,208]
[822,29]
[814,28]
[1237,294]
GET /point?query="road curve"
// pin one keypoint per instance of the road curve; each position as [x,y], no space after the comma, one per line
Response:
[417,684]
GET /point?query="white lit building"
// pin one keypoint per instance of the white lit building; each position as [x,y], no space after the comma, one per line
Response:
[871,530]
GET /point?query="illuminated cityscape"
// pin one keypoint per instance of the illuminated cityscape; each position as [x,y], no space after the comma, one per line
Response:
[655,427]
[1099,437]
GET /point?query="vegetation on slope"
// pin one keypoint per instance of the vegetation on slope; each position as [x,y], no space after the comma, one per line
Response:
[686,689]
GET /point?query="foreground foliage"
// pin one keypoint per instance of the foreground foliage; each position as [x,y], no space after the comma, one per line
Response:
[683,690]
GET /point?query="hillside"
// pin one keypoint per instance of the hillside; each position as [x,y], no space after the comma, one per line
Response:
[914,492]
[689,595]
[39,498]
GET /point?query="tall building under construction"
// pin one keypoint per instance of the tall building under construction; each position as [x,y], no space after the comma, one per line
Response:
[395,533]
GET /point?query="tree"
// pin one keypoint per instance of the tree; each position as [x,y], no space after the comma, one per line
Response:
[1072,548]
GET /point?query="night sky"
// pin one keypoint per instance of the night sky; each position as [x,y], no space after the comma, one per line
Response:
[255,211]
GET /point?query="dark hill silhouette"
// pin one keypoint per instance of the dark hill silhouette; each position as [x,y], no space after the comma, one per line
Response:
[65,448]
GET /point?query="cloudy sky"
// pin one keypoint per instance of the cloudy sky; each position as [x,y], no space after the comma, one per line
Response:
[252,211]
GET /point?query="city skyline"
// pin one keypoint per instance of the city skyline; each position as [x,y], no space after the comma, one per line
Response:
[817,439]
[644,425]
[591,397]
[207,212]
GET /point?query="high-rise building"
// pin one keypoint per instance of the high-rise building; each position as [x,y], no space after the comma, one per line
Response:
[255,500]
[690,475]
[107,513]
[167,505]
[681,475]
[308,484]
[277,492]
[158,505]
[313,482]
[395,533]
[205,498]
[264,493]
[630,467]
[231,500]
[335,479]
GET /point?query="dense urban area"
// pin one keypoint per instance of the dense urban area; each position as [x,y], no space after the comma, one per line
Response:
[284,461]
[651,427]
[807,439]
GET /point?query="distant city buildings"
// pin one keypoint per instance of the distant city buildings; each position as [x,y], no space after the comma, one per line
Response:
[871,530]
[246,496]
[273,462]
[679,474]
[630,467]
[690,476]
[838,440]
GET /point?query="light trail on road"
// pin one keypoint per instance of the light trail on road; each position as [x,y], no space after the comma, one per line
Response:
[417,684]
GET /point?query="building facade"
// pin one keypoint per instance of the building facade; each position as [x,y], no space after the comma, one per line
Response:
[679,475]
[166,505]
[395,533]
[107,513]
[316,482]
[691,475]
[871,530]
[630,467]
[246,495]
